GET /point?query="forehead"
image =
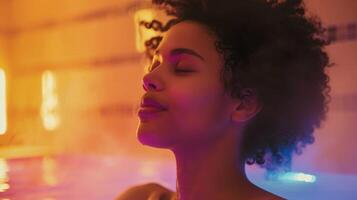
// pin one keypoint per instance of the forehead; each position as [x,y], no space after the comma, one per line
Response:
[191,35]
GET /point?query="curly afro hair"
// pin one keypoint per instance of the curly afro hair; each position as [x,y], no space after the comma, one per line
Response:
[274,49]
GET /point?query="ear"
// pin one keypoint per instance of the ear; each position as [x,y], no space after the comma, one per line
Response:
[247,106]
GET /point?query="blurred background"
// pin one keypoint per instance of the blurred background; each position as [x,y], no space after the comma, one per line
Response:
[70,79]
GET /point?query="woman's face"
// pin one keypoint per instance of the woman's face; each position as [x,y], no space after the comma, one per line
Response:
[184,78]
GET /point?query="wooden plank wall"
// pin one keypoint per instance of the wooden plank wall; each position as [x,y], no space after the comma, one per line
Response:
[90,47]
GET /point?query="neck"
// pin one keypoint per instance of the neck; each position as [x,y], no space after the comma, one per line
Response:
[211,170]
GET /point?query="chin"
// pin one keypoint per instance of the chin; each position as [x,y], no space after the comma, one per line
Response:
[152,138]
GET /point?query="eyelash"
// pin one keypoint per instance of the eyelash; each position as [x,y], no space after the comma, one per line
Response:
[183,71]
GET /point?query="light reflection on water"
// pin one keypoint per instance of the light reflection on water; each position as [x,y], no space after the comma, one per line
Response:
[4,177]
[73,177]
[49,169]
[149,168]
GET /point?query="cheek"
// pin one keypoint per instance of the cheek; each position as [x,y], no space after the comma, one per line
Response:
[197,108]
[195,91]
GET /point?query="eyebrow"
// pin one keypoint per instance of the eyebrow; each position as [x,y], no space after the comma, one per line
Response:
[180,51]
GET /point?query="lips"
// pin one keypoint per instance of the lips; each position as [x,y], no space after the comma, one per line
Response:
[152,103]
[150,108]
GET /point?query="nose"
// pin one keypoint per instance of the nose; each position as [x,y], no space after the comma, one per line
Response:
[152,83]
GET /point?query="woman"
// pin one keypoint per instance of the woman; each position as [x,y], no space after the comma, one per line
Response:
[231,82]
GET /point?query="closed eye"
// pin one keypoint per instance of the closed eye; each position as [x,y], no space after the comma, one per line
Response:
[183,70]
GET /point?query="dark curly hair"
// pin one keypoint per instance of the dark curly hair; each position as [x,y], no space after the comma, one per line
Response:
[274,49]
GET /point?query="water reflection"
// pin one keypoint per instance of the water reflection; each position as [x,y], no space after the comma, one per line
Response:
[49,171]
[149,169]
[4,176]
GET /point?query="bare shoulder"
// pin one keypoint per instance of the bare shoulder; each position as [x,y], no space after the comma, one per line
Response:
[148,191]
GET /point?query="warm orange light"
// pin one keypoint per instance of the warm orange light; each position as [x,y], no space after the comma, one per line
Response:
[49,108]
[142,33]
[3,120]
